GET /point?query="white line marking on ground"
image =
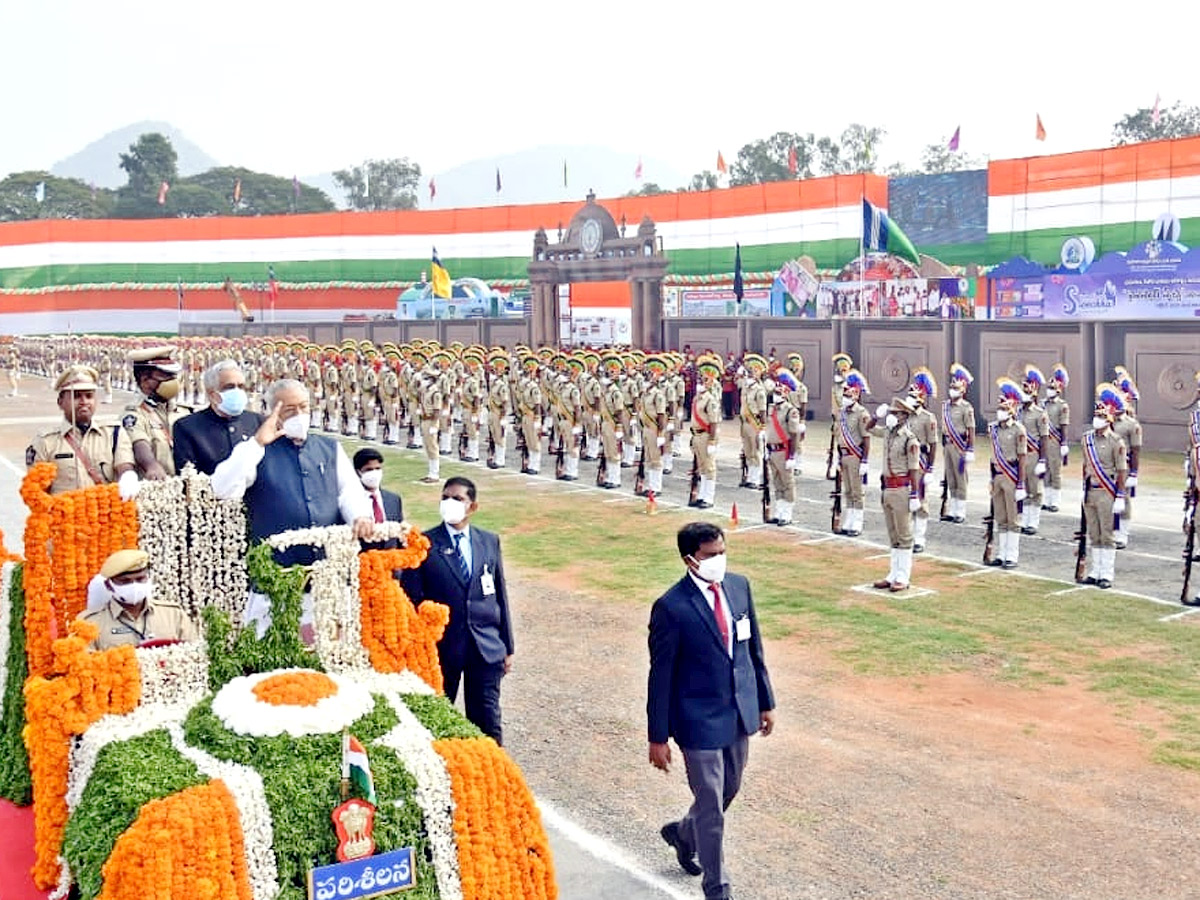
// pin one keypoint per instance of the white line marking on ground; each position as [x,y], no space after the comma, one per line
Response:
[819,540]
[879,556]
[1180,615]
[982,570]
[1070,590]
[606,852]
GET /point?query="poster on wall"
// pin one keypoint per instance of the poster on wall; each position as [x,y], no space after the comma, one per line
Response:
[714,304]
[598,327]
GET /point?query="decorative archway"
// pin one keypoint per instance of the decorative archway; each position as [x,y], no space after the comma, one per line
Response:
[595,248]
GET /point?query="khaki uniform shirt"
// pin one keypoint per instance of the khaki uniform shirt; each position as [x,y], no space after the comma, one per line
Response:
[902,452]
[924,427]
[1011,437]
[706,410]
[962,419]
[654,404]
[1111,454]
[754,402]
[97,443]
[857,423]
[158,621]
[153,424]
[1058,414]
[1129,430]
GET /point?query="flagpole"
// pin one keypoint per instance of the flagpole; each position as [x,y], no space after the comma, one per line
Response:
[345,764]
[862,243]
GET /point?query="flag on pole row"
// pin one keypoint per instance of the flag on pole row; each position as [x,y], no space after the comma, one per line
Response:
[162,193]
[237,192]
[881,233]
[432,189]
[953,145]
[356,767]
[793,161]
[1156,113]
[1040,132]
[39,192]
[637,173]
[295,187]
[497,179]
[441,278]
[721,167]
[564,173]
[739,288]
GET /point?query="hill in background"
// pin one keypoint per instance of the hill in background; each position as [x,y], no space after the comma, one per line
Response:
[99,162]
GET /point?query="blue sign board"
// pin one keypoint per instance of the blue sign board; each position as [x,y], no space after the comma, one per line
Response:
[372,876]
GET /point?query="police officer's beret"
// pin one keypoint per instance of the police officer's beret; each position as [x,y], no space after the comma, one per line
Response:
[77,378]
[159,357]
[125,561]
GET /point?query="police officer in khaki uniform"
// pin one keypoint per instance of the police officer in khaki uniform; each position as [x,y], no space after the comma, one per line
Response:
[958,438]
[499,408]
[474,393]
[1058,416]
[85,453]
[785,424]
[899,484]
[430,419]
[368,393]
[1105,470]
[924,426]
[13,365]
[612,404]
[1129,429]
[529,403]
[1037,429]
[1009,449]
[148,423]
[652,419]
[132,615]
[853,426]
[706,414]
[753,416]
[389,394]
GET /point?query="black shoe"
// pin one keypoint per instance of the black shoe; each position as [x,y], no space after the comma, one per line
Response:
[1193,601]
[782,522]
[1104,584]
[1025,529]
[529,471]
[626,465]
[1050,508]
[493,465]
[685,857]
[703,504]
[918,548]
[947,519]
[958,520]
[1009,564]
[1089,580]
[1120,546]
[996,562]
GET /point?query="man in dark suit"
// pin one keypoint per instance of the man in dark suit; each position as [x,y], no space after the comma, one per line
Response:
[464,571]
[206,438]
[709,690]
[387,506]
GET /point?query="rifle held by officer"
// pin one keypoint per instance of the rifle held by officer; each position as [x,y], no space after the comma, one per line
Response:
[639,483]
[945,499]
[1190,497]
[836,511]
[829,476]
[1081,537]
[989,536]
[602,468]
[766,490]
[694,487]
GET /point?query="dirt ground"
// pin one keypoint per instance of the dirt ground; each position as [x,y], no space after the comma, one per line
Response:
[955,786]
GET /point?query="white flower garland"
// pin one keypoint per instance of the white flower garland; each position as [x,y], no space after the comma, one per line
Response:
[246,786]
[414,746]
[162,533]
[243,713]
[173,674]
[6,573]
[406,682]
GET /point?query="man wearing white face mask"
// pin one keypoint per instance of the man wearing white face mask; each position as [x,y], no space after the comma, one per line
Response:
[130,614]
[464,570]
[150,423]
[291,479]
[206,438]
[385,505]
[709,690]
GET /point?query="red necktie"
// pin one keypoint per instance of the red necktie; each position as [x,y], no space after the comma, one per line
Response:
[721,626]
[378,508]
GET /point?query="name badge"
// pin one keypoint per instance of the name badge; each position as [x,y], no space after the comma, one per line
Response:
[487,582]
[742,628]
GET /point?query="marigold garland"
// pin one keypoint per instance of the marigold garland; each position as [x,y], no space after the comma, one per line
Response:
[503,851]
[397,635]
[83,527]
[185,845]
[295,689]
[83,687]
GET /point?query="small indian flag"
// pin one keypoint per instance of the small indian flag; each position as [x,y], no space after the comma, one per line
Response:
[355,766]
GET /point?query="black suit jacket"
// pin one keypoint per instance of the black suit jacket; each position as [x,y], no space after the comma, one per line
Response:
[206,438]
[474,616]
[697,693]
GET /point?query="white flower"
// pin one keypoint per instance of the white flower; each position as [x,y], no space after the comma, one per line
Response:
[6,573]
[242,712]
[173,674]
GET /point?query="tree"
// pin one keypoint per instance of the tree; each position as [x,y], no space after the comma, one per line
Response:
[151,160]
[703,181]
[260,195]
[62,198]
[1175,121]
[649,189]
[857,150]
[767,160]
[380,184]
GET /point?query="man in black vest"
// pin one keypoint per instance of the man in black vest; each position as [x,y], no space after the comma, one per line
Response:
[206,438]
[302,481]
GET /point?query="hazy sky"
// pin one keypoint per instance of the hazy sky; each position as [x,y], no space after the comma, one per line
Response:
[303,88]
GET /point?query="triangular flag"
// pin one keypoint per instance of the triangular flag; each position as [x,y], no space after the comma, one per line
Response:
[1040,134]
[881,233]
[637,173]
[441,278]
[356,767]
[564,173]
[497,179]
[793,162]
[432,189]
[1156,113]
[953,145]
[721,167]
[162,193]
[237,191]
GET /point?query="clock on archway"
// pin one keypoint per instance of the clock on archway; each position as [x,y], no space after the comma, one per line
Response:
[591,236]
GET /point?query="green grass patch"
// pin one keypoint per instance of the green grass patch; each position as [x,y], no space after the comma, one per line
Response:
[996,626]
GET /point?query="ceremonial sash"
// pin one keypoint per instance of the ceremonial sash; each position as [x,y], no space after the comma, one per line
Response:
[1056,433]
[1089,448]
[751,419]
[998,456]
[780,432]
[952,430]
[697,419]
[848,438]
[1033,443]
[1194,427]
[88,465]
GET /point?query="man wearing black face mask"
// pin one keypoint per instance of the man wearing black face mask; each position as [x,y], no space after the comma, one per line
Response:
[150,422]
[206,438]
[130,614]
[709,690]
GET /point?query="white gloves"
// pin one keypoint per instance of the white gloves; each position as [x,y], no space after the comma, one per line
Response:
[1040,468]
[619,434]
[661,442]
[595,417]
[1021,494]
[433,430]
[1118,506]
[914,504]
[483,418]
[927,479]
[802,429]
[670,426]
[969,457]
[863,469]
[1065,451]
[128,485]
[793,463]
[881,410]
[577,430]
[1131,480]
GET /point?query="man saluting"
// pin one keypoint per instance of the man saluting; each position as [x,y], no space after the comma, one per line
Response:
[709,690]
